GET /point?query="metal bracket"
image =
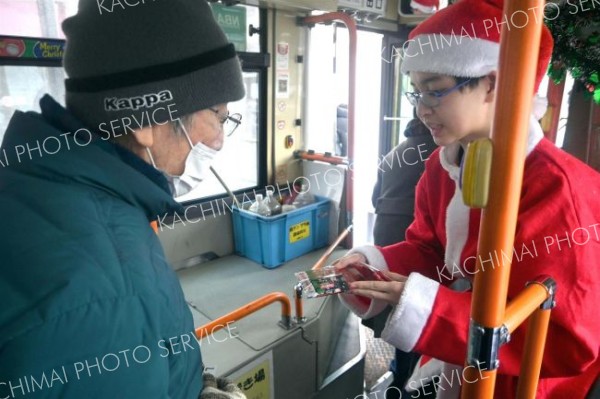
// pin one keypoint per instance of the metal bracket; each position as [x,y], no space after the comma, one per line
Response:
[253,30]
[286,323]
[484,345]
[300,22]
[550,285]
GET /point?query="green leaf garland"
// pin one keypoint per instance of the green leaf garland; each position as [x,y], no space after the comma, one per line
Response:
[575,28]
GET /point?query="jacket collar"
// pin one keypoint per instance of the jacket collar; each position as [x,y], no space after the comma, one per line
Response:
[100,164]
[449,154]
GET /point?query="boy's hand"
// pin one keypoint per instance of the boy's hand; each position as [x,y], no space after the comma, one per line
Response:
[388,291]
[348,260]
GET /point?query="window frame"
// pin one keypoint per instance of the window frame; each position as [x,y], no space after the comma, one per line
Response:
[258,62]
[251,62]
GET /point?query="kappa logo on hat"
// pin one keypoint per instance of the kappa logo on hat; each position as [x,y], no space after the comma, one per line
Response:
[135,103]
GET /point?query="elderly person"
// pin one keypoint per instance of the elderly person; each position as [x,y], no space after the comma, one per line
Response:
[90,306]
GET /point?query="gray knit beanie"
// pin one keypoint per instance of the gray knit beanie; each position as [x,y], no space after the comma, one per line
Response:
[125,62]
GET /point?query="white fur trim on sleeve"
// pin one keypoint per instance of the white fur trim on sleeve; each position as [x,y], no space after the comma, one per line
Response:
[375,259]
[406,322]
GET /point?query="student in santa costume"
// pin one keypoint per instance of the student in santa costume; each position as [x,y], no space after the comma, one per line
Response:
[557,232]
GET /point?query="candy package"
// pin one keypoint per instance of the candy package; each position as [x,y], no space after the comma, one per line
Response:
[330,280]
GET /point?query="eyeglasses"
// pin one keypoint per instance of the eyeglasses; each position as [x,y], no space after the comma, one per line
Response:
[229,122]
[432,98]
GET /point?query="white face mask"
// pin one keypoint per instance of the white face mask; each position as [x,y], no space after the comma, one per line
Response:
[196,167]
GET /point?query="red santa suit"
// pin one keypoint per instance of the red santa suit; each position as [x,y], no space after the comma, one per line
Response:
[557,234]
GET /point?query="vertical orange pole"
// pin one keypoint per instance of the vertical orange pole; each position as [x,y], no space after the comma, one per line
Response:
[533,353]
[519,51]
[298,294]
[352,31]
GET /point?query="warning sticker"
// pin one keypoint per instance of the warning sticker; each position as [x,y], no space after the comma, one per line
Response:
[256,378]
[299,231]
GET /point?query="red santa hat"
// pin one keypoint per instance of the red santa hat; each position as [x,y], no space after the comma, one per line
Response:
[464,40]
[425,6]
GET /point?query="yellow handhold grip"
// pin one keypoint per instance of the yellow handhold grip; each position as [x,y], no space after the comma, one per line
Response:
[476,170]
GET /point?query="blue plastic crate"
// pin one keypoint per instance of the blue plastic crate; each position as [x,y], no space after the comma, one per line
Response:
[273,240]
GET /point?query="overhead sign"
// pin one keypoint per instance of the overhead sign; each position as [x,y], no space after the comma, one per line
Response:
[233,22]
[31,48]
[370,6]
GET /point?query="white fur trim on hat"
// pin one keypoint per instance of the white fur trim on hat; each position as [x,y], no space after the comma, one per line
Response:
[454,55]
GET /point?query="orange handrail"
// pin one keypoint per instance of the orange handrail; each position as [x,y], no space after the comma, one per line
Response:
[323,259]
[519,51]
[352,31]
[317,156]
[248,309]
[524,304]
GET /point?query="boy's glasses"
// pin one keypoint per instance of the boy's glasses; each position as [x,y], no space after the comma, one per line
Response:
[432,98]
[229,122]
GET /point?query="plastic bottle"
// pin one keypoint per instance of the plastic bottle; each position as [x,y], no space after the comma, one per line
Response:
[304,197]
[272,203]
[259,206]
[290,198]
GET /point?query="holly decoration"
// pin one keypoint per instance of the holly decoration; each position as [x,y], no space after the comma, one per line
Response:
[576,33]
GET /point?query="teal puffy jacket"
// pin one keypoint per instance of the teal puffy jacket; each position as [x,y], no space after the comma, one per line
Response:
[89,306]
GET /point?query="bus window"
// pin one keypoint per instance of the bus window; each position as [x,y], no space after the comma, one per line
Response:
[22,87]
[241,145]
[328,65]
[41,18]
[406,110]
[244,143]
[564,108]
[22,84]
